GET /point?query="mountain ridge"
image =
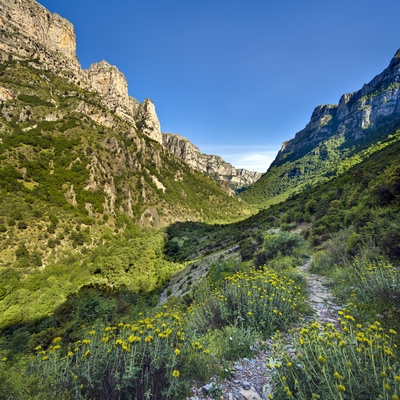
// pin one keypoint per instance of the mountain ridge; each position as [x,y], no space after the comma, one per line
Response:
[47,33]
[43,89]
[331,140]
[322,122]
[211,165]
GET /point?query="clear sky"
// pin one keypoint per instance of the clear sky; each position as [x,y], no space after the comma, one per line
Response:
[237,77]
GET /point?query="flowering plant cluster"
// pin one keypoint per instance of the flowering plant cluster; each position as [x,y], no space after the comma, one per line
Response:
[353,360]
[258,298]
[128,360]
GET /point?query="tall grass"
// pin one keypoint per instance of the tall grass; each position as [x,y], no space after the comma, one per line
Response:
[371,290]
[356,362]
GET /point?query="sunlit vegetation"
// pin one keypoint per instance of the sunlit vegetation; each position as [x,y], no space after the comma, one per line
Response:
[260,300]
[133,260]
[71,193]
[353,212]
[152,349]
[358,361]
[310,166]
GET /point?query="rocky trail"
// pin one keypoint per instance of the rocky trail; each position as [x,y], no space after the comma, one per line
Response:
[251,378]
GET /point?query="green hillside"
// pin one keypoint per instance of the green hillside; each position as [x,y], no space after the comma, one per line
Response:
[359,208]
[80,202]
[125,274]
[129,343]
[311,166]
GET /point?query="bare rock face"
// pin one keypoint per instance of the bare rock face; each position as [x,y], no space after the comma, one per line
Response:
[108,81]
[147,118]
[29,30]
[111,84]
[211,165]
[38,31]
[6,94]
[372,107]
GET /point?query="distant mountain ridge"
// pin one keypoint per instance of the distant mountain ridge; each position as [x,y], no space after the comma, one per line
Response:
[211,165]
[333,139]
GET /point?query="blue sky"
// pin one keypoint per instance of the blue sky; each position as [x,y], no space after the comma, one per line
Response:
[237,78]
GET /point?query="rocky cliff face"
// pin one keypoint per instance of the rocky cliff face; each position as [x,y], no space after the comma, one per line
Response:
[111,84]
[147,120]
[100,160]
[211,165]
[356,116]
[30,31]
[337,137]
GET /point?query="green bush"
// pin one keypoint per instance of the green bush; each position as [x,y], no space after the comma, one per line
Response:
[372,288]
[52,243]
[87,305]
[261,258]
[87,220]
[126,360]
[22,251]
[16,383]
[219,270]
[283,243]
[22,225]
[247,249]
[231,342]
[34,100]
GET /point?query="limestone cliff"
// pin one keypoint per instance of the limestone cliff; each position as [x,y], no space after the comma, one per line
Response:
[211,165]
[337,137]
[147,120]
[358,114]
[97,155]
[30,31]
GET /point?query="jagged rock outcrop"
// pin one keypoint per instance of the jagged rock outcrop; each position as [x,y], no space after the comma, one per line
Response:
[40,33]
[211,165]
[30,31]
[110,83]
[147,120]
[357,114]
[337,137]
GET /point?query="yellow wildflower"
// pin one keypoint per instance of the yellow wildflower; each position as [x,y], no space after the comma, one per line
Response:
[175,374]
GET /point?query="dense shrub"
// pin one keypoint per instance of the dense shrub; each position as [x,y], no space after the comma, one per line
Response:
[372,287]
[282,242]
[231,342]
[128,360]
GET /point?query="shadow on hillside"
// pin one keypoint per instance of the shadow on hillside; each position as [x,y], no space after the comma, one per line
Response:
[190,240]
